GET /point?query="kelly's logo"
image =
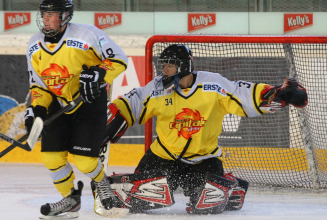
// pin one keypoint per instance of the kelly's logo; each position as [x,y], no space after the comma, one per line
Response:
[106,20]
[296,21]
[16,19]
[187,123]
[56,78]
[199,21]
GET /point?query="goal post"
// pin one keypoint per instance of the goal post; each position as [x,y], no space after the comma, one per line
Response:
[287,148]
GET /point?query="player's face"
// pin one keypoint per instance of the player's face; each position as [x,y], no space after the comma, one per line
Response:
[169,69]
[51,20]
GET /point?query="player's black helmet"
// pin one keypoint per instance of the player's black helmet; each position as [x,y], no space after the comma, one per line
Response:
[181,56]
[65,9]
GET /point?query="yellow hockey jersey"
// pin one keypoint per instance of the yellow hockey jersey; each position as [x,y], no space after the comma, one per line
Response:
[54,69]
[190,119]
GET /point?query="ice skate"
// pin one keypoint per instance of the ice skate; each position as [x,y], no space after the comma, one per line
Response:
[67,208]
[105,201]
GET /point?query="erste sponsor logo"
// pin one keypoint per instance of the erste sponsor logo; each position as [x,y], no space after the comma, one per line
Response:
[35,47]
[200,20]
[214,87]
[16,19]
[77,43]
[296,21]
[106,20]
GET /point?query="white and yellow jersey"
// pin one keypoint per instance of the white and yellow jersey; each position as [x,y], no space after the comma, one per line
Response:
[54,69]
[190,118]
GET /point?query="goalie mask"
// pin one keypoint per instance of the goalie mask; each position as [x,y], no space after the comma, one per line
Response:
[53,15]
[179,56]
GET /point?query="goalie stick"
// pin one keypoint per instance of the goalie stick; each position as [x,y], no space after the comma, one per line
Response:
[36,130]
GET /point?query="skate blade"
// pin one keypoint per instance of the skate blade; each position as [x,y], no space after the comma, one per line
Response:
[67,215]
[112,213]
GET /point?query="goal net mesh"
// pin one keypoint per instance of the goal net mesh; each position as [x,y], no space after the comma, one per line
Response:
[286,148]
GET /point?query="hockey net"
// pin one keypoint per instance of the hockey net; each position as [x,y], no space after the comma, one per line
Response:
[287,148]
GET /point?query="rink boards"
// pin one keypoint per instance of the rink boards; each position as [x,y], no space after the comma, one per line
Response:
[246,158]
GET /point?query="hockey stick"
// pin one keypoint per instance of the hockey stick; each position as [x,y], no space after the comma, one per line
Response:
[35,131]
[104,157]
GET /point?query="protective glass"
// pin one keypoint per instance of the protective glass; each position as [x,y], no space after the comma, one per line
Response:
[54,19]
[168,63]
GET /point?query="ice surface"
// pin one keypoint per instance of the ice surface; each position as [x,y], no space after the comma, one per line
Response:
[25,187]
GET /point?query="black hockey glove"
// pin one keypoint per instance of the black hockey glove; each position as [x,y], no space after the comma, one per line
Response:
[91,83]
[290,92]
[31,113]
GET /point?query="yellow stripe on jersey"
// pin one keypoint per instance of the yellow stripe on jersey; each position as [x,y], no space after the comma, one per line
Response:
[125,110]
[114,67]
[234,105]
[144,110]
[257,89]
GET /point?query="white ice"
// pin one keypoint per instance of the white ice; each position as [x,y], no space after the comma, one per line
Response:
[25,187]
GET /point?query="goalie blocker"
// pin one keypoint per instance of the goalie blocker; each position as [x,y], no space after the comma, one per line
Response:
[151,190]
[116,125]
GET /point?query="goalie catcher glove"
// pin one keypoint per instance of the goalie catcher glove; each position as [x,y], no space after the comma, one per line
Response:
[277,97]
[91,83]
[116,124]
[31,113]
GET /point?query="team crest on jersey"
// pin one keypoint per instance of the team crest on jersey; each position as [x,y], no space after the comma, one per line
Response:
[35,95]
[77,43]
[107,65]
[56,78]
[214,87]
[187,123]
[35,47]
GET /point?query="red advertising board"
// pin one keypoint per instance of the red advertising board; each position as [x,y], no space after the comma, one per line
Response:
[296,21]
[106,20]
[198,21]
[16,19]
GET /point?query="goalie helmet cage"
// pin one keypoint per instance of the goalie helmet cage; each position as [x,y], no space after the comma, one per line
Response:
[287,148]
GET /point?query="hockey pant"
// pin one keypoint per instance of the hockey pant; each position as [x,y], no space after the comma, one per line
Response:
[62,173]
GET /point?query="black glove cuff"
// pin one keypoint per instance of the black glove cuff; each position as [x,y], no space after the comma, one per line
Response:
[40,111]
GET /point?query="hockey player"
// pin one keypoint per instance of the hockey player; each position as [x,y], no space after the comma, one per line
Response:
[189,107]
[66,60]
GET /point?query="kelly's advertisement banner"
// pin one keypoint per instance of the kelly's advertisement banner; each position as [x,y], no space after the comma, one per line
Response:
[107,20]
[198,21]
[16,19]
[294,22]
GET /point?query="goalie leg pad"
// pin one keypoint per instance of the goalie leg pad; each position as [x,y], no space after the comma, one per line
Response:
[212,198]
[236,199]
[142,191]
